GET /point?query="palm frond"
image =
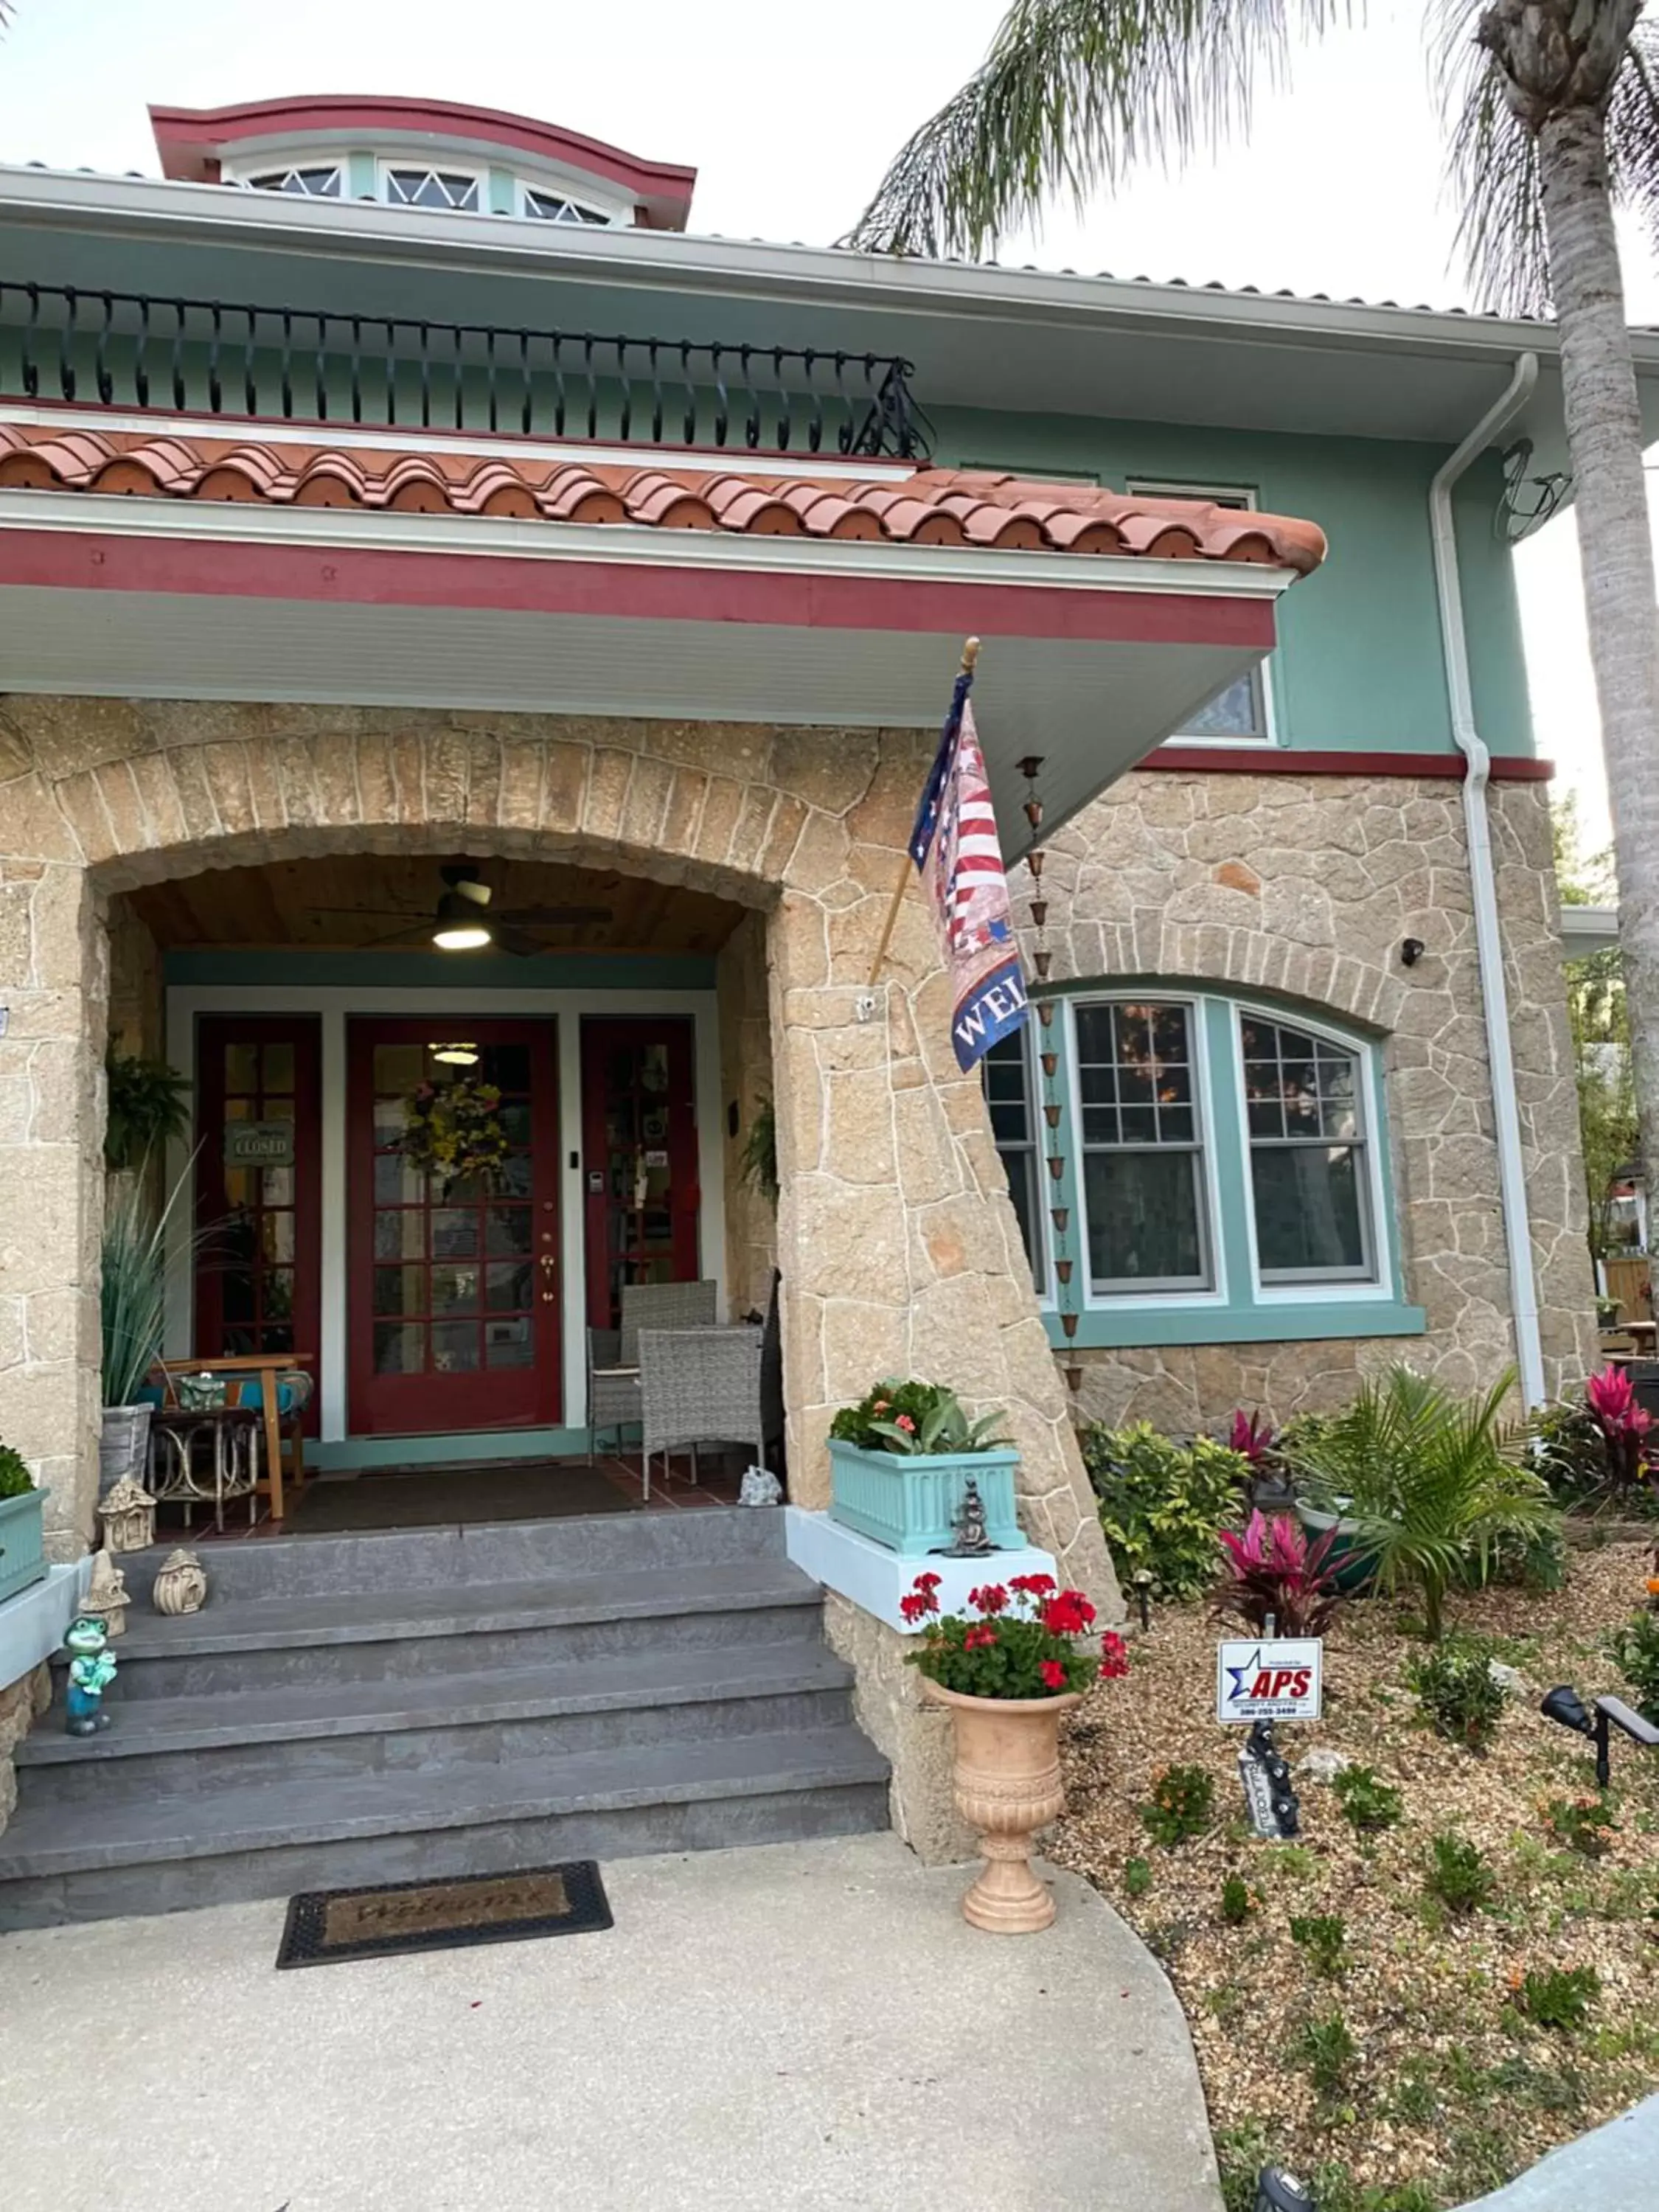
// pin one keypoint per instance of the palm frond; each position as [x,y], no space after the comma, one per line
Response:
[1492,160]
[1072,96]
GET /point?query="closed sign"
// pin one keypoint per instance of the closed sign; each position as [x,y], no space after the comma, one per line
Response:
[1263,1679]
[258,1144]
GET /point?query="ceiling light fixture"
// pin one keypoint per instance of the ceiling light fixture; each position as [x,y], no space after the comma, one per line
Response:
[456,1055]
[460,925]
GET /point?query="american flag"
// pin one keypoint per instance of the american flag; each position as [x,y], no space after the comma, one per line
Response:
[955,836]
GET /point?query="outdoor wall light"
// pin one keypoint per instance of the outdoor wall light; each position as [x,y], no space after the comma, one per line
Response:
[1565,1708]
[1411,951]
[1277,2192]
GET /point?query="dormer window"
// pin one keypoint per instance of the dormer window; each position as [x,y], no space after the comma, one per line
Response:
[554,207]
[433,188]
[322,183]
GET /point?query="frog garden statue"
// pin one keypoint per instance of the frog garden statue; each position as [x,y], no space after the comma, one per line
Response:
[91,1671]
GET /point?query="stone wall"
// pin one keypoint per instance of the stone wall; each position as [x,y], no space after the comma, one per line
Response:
[897,1243]
[137,993]
[1305,887]
[21,1704]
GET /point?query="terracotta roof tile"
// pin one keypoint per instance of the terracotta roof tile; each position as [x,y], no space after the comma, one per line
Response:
[931,507]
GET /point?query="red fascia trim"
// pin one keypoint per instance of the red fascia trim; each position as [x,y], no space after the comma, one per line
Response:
[368,575]
[185,135]
[1245,760]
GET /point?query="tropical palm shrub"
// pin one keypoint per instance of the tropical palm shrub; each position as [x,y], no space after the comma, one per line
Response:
[1428,1485]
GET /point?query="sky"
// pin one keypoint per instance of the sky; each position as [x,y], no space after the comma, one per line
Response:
[789,116]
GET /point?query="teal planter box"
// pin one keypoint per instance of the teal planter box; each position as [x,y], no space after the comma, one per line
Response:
[22,1560]
[909,1502]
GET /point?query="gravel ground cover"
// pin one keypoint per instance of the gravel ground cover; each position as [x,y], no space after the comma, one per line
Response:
[1395,2057]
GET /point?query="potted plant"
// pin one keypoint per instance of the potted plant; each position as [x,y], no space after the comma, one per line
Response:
[22,1557]
[1007,1676]
[900,1463]
[145,1110]
[135,1263]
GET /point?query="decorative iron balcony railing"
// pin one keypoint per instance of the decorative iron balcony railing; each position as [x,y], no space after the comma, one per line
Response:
[131,351]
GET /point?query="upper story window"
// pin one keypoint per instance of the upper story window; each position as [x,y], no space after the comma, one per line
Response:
[1309,1185]
[321,183]
[557,207]
[1243,714]
[1142,1149]
[433,188]
[1006,1072]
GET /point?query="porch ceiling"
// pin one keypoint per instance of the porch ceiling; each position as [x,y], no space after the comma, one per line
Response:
[309,904]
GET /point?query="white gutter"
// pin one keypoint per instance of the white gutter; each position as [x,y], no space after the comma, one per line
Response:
[1488,936]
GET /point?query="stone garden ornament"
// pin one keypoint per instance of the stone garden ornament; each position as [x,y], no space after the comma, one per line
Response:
[1007,1676]
[181,1584]
[128,1514]
[760,1486]
[106,1599]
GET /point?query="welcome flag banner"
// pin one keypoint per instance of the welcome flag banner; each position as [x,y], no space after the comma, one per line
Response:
[955,844]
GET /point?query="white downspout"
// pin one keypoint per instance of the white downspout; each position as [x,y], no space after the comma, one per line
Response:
[1488,939]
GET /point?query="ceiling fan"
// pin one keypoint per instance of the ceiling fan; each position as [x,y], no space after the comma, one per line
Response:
[465,920]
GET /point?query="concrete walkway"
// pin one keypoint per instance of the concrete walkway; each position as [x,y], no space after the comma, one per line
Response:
[802,2026]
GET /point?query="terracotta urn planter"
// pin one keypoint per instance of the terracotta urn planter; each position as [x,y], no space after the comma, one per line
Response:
[1007,1785]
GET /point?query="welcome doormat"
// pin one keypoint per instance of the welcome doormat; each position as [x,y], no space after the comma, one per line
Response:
[381,1922]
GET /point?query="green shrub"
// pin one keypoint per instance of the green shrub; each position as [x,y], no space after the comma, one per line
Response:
[1567,1446]
[1431,1483]
[1634,1650]
[1324,1937]
[1458,1693]
[1183,1805]
[1583,1824]
[1137,1876]
[1163,1503]
[1367,1803]
[1557,1996]
[1457,1873]
[14,1476]
[1328,2051]
[1234,1900]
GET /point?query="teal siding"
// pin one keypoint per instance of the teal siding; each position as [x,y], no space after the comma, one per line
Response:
[417,971]
[1359,667]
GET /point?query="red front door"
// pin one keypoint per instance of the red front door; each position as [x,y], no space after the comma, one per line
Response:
[639,1159]
[258,1122]
[452,1298]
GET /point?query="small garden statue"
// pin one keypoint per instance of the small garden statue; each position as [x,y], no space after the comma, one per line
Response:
[181,1584]
[973,1538]
[106,1599]
[760,1487]
[128,1513]
[91,1671]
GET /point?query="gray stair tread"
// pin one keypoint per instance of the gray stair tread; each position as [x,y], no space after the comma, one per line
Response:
[673,1676]
[464,1609]
[40,1842]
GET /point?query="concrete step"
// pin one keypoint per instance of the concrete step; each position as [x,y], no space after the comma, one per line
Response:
[166,1854]
[234,1646]
[456,1559]
[310,1733]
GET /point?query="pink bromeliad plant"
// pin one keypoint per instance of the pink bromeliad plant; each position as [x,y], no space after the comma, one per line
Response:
[1272,1569]
[1625,1427]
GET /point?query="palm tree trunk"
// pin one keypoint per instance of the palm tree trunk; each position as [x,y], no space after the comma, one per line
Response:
[1604,441]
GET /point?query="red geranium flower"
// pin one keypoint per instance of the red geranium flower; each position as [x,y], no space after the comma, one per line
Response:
[1114,1657]
[976,1639]
[928,1582]
[916,1606]
[1032,1585]
[992,1599]
[1069,1614]
[1053,1673]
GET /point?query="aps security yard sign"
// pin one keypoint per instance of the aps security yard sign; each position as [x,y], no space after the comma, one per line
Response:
[1268,1679]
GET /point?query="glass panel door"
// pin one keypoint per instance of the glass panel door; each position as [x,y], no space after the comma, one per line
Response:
[258,1113]
[639,1159]
[453,1291]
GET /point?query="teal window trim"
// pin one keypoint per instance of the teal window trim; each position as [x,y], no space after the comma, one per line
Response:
[363,179]
[501,191]
[1239,1309]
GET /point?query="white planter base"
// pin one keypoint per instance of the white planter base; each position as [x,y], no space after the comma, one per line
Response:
[875,1578]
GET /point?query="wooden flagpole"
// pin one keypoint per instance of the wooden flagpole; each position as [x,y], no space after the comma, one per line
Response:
[969,655]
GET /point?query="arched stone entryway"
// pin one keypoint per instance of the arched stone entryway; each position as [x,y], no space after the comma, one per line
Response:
[898,1247]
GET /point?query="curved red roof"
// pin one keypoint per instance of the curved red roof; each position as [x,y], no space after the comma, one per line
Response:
[191,141]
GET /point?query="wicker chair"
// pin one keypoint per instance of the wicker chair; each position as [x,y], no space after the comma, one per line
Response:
[700,1386]
[613,1354]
